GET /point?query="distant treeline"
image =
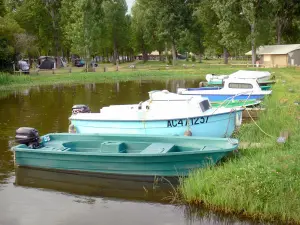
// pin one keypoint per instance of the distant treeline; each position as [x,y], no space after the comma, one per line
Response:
[88,28]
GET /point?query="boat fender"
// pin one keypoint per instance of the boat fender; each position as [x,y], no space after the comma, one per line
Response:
[238,119]
[72,129]
[188,133]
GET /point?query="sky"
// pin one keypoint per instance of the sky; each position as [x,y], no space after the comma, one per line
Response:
[129,4]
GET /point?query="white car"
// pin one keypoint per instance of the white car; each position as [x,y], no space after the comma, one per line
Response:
[23,65]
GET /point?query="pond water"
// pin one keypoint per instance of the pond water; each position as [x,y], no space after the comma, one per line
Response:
[32,197]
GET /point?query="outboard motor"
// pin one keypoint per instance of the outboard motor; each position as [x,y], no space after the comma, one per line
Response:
[28,136]
[80,109]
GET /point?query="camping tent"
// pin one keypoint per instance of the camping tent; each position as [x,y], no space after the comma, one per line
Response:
[47,63]
[52,59]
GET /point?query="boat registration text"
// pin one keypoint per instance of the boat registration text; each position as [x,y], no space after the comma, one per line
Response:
[187,122]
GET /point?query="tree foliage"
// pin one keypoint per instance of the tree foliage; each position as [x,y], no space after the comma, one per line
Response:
[89,28]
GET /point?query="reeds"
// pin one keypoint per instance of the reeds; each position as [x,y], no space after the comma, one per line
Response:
[9,79]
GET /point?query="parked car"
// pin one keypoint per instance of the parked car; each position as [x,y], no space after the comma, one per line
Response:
[79,62]
[23,66]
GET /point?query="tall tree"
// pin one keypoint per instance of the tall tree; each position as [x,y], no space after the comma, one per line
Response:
[52,7]
[33,17]
[140,26]
[115,23]
[2,8]
[211,34]
[172,18]
[241,20]
[82,25]
[284,11]
[8,29]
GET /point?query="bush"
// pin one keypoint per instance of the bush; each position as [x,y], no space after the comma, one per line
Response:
[193,58]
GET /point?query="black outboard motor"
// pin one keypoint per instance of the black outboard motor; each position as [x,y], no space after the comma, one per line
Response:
[28,136]
[80,109]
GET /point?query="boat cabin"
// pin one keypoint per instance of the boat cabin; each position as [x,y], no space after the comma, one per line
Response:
[164,101]
[231,85]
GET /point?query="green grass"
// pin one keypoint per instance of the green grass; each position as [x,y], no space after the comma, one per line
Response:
[8,79]
[147,71]
[261,183]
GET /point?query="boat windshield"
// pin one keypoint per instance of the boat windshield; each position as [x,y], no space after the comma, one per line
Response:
[240,85]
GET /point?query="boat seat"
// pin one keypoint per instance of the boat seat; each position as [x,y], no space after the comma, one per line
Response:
[113,147]
[156,148]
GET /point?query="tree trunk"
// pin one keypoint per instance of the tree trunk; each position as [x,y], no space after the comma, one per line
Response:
[107,55]
[253,46]
[160,56]
[103,55]
[174,53]
[225,55]
[115,53]
[145,55]
[166,52]
[278,31]
[55,36]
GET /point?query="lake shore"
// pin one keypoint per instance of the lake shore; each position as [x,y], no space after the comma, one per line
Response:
[147,71]
[262,182]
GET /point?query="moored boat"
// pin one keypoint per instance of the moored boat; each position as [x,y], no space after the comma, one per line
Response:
[263,88]
[238,89]
[164,113]
[128,155]
[262,77]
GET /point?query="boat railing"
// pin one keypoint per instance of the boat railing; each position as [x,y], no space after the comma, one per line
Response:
[228,100]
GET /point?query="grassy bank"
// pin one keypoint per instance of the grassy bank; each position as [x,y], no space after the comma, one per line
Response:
[261,183]
[148,71]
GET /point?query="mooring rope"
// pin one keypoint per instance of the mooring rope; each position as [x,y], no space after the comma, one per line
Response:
[259,126]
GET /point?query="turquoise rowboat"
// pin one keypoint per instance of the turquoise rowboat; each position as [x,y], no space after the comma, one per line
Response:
[128,155]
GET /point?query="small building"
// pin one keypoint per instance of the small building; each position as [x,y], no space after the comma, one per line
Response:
[155,56]
[278,55]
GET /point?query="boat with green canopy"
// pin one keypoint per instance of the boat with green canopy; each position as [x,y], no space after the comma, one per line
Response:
[131,155]
[236,103]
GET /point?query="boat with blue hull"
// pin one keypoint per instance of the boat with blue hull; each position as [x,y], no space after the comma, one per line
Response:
[164,113]
[134,155]
[237,89]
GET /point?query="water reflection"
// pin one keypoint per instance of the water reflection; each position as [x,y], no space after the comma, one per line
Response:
[94,185]
[43,197]
[86,190]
